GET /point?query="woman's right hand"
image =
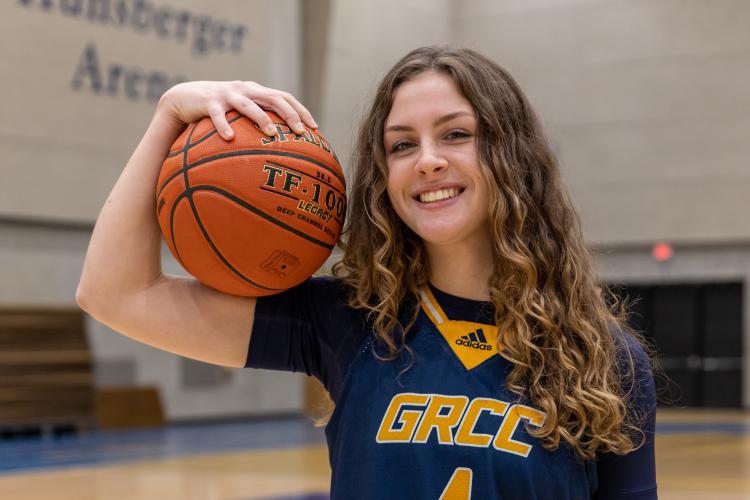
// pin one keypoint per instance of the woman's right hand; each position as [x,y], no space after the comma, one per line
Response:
[188,102]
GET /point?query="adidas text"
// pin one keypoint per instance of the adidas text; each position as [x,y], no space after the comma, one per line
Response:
[474,344]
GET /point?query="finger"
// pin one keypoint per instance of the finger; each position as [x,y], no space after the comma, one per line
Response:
[219,119]
[301,110]
[248,108]
[285,110]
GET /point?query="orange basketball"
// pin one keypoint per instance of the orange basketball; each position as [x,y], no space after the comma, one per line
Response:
[254,215]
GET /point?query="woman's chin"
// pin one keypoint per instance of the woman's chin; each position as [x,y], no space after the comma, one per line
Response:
[440,235]
[453,232]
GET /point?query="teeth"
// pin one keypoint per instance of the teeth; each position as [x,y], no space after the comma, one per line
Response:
[440,194]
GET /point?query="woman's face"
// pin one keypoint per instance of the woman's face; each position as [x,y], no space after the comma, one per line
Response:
[434,178]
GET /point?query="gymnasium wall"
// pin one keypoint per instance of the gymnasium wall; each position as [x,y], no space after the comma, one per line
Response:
[364,40]
[645,102]
[83,76]
[80,81]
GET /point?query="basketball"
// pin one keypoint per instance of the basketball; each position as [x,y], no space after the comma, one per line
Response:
[254,215]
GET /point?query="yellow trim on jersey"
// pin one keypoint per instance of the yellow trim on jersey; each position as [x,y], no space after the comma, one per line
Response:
[472,343]
[431,307]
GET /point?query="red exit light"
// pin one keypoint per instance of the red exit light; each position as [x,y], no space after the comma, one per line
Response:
[662,252]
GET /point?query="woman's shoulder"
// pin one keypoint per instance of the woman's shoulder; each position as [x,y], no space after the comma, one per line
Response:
[327,282]
[631,350]
[317,288]
[327,288]
[634,368]
[315,298]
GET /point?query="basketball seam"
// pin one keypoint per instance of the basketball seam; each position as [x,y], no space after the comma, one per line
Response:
[174,208]
[171,227]
[273,191]
[261,213]
[189,146]
[189,194]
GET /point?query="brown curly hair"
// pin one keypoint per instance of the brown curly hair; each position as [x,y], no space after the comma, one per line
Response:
[557,324]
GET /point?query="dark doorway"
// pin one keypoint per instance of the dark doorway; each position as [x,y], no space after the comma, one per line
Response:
[697,332]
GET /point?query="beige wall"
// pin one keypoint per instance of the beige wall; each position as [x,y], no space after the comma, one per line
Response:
[62,149]
[67,126]
[646,101]
[364,40]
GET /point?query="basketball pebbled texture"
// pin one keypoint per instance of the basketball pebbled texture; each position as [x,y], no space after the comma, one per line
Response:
[255,215]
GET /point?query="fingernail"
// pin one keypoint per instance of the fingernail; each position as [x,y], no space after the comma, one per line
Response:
[228,133]
[270,130]
[314,123]
[299,127]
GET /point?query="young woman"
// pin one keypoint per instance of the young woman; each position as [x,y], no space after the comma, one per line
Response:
[464,339]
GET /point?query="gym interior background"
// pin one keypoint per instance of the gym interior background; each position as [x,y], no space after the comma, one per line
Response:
[646,103]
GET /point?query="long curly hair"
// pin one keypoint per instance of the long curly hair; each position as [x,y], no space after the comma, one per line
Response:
[558,326]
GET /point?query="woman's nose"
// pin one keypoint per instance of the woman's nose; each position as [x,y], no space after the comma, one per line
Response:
[430,160]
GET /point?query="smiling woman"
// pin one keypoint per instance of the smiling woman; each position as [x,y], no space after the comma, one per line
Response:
[463,338]
[435,182]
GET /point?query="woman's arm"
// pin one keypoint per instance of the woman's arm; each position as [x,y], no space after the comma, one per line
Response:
[122,284]
[633,476]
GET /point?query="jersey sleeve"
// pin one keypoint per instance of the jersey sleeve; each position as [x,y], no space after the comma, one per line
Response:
[308,328]
[633,476]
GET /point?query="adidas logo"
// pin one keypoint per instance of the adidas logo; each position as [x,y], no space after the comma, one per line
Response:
[475,340]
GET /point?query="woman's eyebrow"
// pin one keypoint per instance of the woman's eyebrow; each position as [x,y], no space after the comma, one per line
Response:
[439,121]
[450,116]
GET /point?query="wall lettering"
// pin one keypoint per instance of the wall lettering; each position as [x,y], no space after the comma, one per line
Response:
[116,79]
[204,34]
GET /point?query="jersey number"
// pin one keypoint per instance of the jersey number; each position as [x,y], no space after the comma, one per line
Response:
[459,486]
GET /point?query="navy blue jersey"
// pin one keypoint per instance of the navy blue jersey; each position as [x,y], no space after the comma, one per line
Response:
[438,421]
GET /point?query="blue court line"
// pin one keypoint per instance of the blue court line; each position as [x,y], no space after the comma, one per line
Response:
[701,427]
[108,447]
[311,496]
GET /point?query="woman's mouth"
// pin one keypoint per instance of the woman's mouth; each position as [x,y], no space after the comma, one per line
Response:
[439,195]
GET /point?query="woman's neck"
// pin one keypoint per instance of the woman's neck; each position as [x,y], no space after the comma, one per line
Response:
[461,270]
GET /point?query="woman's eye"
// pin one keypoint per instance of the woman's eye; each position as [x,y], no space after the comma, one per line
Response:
[456,134]
[400,146]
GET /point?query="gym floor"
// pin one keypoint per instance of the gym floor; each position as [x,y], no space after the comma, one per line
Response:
[700,455]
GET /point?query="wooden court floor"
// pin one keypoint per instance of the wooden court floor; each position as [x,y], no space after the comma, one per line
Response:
[700,455]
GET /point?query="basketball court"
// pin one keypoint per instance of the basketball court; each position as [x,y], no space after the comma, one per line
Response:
[645,103]
[700,455]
